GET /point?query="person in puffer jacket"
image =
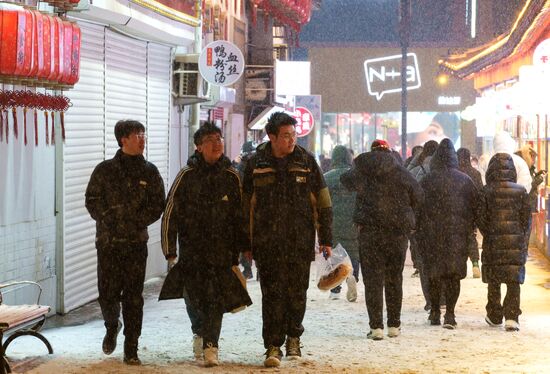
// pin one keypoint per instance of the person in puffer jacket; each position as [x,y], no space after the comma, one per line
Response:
[504,220]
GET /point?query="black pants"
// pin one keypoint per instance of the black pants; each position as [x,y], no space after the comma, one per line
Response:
[450,288]
[120,278]
[284,295]
[356,266]
[473,251]
[382,259]
[509,309]
[205,323]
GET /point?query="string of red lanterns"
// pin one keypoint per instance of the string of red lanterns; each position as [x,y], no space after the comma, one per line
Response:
[294,13]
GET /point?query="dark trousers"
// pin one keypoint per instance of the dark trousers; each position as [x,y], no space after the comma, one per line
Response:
[356,266]
[205,323]
[120,278]
[449,287]
[382,259]
[473,251]
[284,295]
[509,309]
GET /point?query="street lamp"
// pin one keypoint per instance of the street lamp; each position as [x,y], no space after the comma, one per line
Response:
[404,39]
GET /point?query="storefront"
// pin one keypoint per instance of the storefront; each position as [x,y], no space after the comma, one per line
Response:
[512,76]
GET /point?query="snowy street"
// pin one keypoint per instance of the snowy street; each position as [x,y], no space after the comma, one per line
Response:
[334,339]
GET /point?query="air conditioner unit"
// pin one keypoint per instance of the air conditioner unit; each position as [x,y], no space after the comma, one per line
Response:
[188,85]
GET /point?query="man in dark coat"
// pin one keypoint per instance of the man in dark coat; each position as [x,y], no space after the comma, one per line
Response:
[124,196]
[286,198]
[504,221]
[447,222]
[465,166]
[204,216]
[388,198]
[344,231]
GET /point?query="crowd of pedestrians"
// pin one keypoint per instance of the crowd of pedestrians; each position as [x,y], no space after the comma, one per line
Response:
[274,204]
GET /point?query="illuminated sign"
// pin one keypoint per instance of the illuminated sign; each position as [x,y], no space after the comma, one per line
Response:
[449,100]
[541,56]
[384,74]
[304,121]
[221,63]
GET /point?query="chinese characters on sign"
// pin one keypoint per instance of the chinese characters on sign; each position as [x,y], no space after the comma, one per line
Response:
[304,121]
[221,63]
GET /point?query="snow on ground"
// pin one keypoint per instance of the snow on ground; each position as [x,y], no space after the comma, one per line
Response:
[334,340]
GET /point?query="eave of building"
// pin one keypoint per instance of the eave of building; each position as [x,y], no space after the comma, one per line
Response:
[501,58]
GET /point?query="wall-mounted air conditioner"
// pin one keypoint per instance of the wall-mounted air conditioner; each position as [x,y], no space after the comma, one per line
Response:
[188,85]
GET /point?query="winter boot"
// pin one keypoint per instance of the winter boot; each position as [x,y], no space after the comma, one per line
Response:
[292,347]
[109,341]
[394,332]
[435,317]
[273,357]
[211,355]
[449,322]
[492,323]
[197,347]
[511,325]
[130,352]
[376,334]
[334,295]
[351,295]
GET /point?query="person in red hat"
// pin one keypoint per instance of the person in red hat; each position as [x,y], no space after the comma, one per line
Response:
[388,199]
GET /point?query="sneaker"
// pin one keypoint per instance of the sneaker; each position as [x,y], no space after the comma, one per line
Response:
[109,341]
[394,332]
[435,318]
[511,325]
[292,347]
[351,295]
[376,334]
[197,347]
[211,356]
[130,353]
[476,272]
[273,357]
[334,296]
[491,323]
[449,322]
[416,274]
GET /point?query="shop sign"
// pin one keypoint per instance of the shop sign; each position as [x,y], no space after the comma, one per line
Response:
[221,63]
[305,121]
[541,56]
[384,74]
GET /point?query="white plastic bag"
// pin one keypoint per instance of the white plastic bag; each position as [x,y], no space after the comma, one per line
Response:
[333,271]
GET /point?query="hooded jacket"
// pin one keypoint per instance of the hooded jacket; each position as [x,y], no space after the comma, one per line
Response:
[504,221]
[344,231]
[465,166]
[388,197]
[286,202]
[503,143]
[448,215]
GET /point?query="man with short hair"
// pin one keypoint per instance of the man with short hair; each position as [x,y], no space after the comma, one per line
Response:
[124,196]
[286,199]
[204,216]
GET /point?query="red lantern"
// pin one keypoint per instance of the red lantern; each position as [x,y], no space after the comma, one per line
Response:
[75,56]
[67,51]
[8,53]
[38,45]
[47,47]
[54,49]
[24,43]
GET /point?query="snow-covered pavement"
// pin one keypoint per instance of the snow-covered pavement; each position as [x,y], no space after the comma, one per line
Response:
[334,340]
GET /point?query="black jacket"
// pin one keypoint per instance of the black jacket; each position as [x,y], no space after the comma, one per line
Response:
[124,196]
[388,197]
[504,222]
[465,166]
[286,200]
[204,213]
[448,215]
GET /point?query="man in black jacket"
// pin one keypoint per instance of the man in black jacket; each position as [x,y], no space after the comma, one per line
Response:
[124,196]
[388,199]
[285,196]
[204,216]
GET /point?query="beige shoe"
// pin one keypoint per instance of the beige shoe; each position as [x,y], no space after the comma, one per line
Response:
[292,347]
[394,332]
[273,357]
[351,295]
[211,356]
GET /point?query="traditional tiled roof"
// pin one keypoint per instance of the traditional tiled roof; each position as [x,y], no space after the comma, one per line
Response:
[532,21]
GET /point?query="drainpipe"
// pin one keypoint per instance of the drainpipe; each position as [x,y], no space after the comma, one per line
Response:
[194,120]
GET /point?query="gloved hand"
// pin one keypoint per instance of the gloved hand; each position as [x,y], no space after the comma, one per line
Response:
[537,180]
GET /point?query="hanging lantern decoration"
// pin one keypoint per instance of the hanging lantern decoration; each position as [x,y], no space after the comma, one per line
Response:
[38,49]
